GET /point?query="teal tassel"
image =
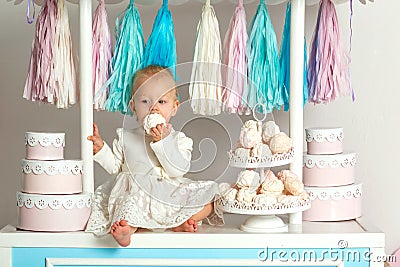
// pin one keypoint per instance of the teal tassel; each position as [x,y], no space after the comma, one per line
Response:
[284,75]
[161,45]
[127,59]
[263,63]
[305,81]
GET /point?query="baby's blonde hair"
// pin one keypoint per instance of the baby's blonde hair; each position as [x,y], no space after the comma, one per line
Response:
[142,75]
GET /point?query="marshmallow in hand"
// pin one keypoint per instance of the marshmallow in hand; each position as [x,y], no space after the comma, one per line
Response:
[152,120]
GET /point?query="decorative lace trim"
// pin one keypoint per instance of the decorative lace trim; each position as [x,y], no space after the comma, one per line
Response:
[45,139]
[321,134]
[255,162]
[240,207]
[54,202]
[333,161]
[63,167]
[335,193]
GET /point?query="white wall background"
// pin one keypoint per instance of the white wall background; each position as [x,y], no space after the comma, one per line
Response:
[371,123]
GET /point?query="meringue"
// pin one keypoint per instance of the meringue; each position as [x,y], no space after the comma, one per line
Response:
[268,200]
[292,183]
[272,187]
[152,120]
[242,152]
[261,150]
[280,143]
[250,124]
[245,195]
[269,129]
[224,187]
[294,186]
[268,174]
[249,137]
[282,175]
[287,200]
[248,178]
[230,194]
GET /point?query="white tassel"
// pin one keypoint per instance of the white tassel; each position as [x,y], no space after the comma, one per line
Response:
[205,85]
[63,60]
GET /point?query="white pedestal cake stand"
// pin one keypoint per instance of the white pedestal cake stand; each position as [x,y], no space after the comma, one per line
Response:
[263,218]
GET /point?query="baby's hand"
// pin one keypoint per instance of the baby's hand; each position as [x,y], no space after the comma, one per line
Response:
[98,142]
[160,131]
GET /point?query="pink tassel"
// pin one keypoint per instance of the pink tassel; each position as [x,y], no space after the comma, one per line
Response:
[328,75]
[40,84]
[101,55]
[235,60]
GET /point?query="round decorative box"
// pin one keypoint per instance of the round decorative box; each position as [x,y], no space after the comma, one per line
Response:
[44,146]
[323,141]
[337,203]
[329,170]
[52,177]
[53,213]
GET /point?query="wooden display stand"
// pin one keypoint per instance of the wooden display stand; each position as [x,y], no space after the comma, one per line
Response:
[348,243]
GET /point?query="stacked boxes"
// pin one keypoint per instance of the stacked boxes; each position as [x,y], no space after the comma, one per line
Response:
[329,177]
[51,198]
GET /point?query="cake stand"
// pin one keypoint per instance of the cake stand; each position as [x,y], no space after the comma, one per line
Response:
[263,217]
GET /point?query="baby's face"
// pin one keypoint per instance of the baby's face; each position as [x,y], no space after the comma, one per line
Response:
[156,95]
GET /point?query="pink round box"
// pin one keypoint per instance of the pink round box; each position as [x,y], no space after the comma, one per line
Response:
[329,170]
[336,203]
[53,213]
[323,141]
[44,146]
[52,177]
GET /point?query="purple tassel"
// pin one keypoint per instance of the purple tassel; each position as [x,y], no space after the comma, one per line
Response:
[328,75]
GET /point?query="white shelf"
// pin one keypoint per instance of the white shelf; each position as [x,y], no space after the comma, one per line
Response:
[357,233]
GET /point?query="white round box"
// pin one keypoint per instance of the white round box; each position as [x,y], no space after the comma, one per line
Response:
[329,170]
[44,146]
[336,203]
[52,177]
[53,213]
[324,141]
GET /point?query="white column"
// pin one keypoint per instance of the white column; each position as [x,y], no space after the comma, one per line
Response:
[296,91]
[86,96]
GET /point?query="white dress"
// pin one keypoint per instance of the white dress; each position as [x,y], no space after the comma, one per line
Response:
[149,190]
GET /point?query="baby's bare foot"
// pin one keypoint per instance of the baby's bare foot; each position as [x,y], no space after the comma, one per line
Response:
[122,232]
[188,226]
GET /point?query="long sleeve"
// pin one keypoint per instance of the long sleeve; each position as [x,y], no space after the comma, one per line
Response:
[174,153]
[111,160]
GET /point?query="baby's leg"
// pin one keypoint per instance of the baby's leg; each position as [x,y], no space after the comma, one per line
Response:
[189,226]
[122,232]
[204,213]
